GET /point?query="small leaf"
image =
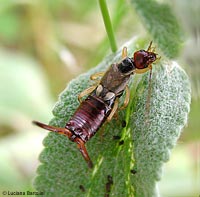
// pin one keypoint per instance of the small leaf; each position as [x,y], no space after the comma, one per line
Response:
[161,23]
[144,148]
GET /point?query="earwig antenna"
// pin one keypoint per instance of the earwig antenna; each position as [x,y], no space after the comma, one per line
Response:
[149,48]
[158,58]
[148,96]
[59,130]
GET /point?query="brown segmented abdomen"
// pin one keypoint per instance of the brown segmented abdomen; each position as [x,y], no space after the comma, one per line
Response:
[88,118]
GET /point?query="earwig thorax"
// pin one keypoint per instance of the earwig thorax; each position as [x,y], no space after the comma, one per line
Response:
[126,66]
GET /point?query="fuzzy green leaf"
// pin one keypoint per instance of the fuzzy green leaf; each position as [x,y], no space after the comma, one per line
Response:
[161,23]
[146,144]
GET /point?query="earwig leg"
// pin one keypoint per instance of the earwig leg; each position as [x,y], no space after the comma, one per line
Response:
[124,52]
[140,71]
[83,150]
[59,130]
[85,92]
[115,107]
[126,100]
[96,75]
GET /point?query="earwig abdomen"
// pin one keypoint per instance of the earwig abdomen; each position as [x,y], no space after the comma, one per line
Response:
[88,118]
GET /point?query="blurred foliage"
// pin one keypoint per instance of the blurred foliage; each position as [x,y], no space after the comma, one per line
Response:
[188,13]
[44,44]
[159,20]
[20,78]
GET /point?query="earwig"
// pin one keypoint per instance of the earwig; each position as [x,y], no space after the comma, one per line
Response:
[102,102]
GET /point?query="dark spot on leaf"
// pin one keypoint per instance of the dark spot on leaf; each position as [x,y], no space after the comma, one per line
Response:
[123,123]
[116,137]
[133,171]
[82,188]
[108,185]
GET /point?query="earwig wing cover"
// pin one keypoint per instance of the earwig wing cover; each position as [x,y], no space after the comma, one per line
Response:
[63,172]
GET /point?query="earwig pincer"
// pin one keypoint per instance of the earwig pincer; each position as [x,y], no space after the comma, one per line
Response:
[103,99]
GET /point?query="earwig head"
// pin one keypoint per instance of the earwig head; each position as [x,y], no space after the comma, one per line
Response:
[142,59]
[126,66]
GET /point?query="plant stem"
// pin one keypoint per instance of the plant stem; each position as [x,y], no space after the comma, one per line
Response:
[108,25]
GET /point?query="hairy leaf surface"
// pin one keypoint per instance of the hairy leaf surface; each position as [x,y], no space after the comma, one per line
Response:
[135,160]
